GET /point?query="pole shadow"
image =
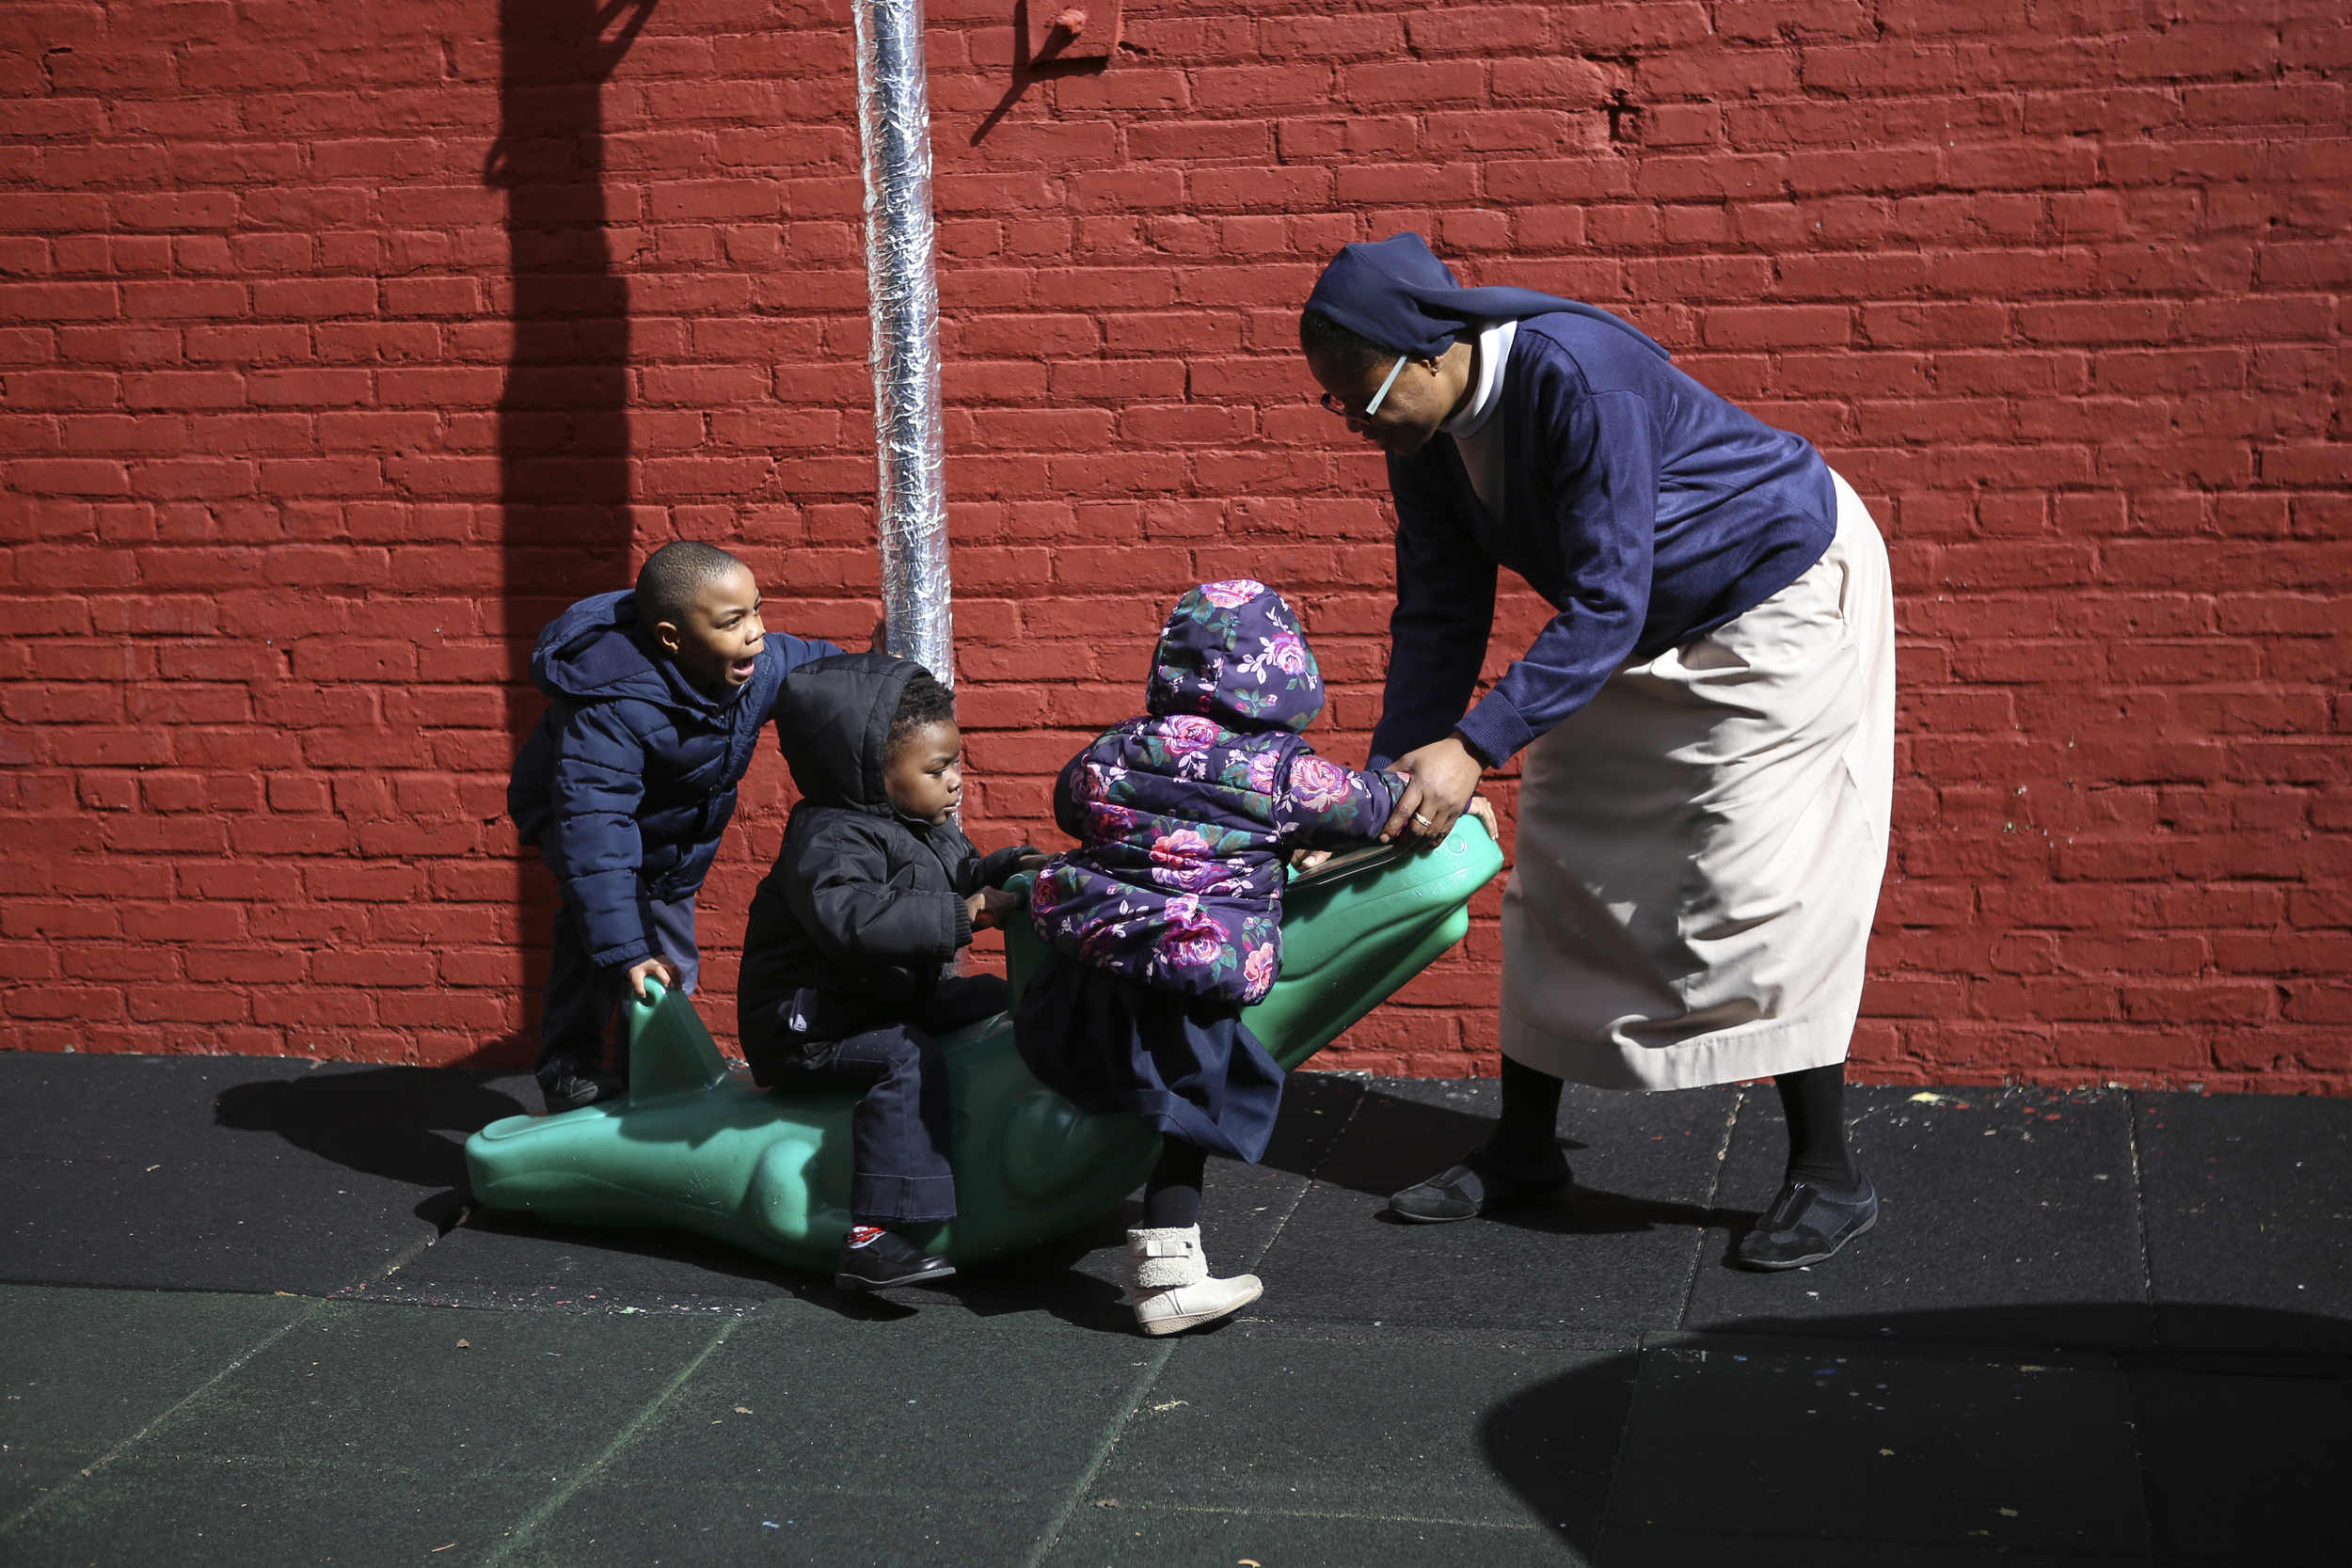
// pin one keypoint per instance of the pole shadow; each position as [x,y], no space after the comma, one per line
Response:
[562,413]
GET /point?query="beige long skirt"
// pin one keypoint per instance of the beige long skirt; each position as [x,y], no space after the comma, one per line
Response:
[1700,846]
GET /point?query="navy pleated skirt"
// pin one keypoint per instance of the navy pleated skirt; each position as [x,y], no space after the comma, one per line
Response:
[1189,1067]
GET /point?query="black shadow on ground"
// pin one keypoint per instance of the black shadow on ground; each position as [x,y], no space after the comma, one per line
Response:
[1412,1140]
[381,1122]
[1823,1442]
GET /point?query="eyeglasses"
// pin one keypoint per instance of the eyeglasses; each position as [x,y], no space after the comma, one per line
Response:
[1344,411]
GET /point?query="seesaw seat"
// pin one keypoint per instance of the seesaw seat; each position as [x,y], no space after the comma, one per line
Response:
[697,1145]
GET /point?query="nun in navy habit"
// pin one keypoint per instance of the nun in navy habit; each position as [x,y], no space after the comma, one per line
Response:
[1707,723]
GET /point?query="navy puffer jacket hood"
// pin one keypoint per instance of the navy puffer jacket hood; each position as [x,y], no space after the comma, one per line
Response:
[628,781]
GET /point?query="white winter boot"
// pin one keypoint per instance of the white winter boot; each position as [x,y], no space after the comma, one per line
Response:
[1171,1284]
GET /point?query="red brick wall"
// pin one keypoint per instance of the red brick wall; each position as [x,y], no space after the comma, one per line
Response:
[339,344]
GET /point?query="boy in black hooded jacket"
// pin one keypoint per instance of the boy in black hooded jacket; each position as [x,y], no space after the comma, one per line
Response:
[845,978]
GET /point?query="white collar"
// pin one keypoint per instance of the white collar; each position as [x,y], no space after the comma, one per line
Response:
[1494,356]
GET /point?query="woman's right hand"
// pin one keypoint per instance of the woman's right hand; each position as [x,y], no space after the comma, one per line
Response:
[1441,779]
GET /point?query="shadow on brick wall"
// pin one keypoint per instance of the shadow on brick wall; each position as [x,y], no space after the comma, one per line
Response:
[565,467]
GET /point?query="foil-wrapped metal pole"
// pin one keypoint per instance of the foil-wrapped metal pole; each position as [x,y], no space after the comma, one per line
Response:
[895,121]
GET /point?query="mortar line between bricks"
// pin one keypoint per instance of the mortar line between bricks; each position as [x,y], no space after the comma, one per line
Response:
[1111,1435]
[317,1305]
[540,1515]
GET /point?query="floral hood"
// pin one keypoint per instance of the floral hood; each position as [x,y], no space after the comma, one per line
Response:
[1232,651]
[1183,815]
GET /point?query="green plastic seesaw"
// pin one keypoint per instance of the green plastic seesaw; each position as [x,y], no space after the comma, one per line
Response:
[696,1144]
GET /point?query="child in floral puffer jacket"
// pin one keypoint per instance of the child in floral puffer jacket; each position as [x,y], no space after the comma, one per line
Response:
[1167,922]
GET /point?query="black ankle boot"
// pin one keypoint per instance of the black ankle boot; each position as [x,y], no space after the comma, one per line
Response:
[1807,1224]
[1481,1185]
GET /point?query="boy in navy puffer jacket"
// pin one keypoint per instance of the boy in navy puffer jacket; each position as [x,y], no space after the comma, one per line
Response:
[1166,921]
[627,783]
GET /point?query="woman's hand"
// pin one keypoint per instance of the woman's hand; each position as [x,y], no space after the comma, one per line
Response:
[1484,809]
[1307,860]
[1444,776]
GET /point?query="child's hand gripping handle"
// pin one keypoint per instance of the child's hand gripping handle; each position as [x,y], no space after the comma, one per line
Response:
[655,968]
[991,906]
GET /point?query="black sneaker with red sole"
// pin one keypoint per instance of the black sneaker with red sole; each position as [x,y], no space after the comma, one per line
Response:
[886,1261]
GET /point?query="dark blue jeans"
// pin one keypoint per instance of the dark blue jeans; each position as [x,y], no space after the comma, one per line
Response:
[898,1132]
[582,995]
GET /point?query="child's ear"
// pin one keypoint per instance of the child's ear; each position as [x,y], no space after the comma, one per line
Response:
[667,635]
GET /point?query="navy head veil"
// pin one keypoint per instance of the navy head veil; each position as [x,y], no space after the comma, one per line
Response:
[1398,293]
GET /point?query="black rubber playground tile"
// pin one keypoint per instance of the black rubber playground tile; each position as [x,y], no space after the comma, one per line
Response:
[2249,1205]
[524,1394]
[202,1228]
[515,1261]
[203,1511]
[1844,1451]
[2005,1215]
[1315,1110]
[228,1173]
[405,1124]
[800,1399]
[2244,1469]
[711,1522]
[1615,1255]
[369,1434]
[1119,1536]
[83,1371]
[938,1432]
[1401,1432]
[1673,1548]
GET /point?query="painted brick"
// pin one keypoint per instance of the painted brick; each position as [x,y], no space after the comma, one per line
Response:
[306,428]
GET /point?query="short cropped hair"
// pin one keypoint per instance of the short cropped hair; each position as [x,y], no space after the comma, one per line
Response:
[923,702]
[674,576]
[1345,349]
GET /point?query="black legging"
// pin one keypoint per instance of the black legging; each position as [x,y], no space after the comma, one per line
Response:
[1813,1101]
[1171,1199]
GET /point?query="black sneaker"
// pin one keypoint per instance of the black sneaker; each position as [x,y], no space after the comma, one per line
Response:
[576,1091]
[1481,1185]
[888,1261]
[1806,1224]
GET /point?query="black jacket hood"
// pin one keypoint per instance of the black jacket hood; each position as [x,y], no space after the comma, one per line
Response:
[833,719]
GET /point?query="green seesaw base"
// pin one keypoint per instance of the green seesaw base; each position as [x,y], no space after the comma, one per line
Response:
[696,1145]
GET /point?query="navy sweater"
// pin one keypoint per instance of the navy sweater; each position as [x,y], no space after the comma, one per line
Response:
[628,781]
[1646,508]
